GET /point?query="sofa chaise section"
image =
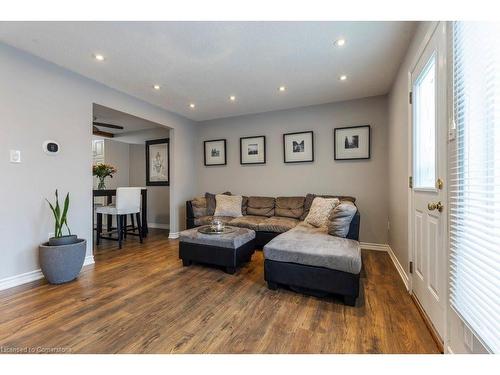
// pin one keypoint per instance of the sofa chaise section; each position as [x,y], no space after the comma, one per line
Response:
[310,260]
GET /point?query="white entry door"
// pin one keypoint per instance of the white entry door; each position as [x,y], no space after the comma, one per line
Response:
[428,214]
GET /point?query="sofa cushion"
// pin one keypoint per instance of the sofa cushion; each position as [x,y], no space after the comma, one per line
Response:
[320,211]
[289,207]
[228,205]
[199,205]
[312,246]
[244,205]
[205,220]
[307,205]
[340,219]
[248,221]
[211,203]
[232,240]
[278,224]
[260,206]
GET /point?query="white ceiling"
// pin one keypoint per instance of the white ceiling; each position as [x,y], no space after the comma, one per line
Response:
[130,123]
[206,62]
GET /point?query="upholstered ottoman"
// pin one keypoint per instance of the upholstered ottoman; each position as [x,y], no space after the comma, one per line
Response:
[308,259]
[229,250]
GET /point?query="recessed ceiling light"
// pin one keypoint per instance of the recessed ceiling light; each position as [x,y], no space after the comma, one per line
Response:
[232,98]
[340,42]
[343,77]
[156,87]
[192,105]
[282,88]
[98,57]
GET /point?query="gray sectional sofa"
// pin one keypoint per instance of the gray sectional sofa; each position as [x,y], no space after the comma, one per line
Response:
[297,254]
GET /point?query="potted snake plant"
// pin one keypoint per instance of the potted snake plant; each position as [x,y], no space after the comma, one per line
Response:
[62,257]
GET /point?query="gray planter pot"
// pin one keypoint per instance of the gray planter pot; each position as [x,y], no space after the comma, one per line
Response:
[61,264]
[64,240]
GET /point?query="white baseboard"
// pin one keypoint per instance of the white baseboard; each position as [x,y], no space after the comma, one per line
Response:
[28,277]
[395,261]
[374,246]
[173,235]
[23,278]
[158,226]
[89,259]
[399,267]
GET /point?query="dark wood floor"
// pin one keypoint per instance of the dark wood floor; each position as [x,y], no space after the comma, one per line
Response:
[141,300]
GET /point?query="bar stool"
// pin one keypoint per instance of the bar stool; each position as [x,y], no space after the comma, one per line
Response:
[128,202]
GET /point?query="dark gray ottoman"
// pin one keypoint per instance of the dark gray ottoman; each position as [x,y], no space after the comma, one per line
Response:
[229,250]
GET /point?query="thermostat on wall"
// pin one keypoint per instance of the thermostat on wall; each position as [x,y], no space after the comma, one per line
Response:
[51,147]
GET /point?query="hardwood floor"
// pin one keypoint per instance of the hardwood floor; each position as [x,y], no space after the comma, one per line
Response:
[141,300]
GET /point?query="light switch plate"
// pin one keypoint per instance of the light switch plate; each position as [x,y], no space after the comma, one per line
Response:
[15,156]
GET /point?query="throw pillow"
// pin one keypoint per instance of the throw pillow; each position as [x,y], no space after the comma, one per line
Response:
[340,219]
[320,211]
[199,205]
[211,202]
[307,205]
[228,205]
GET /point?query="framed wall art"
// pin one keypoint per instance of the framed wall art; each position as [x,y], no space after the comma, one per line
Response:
[298,147]
[352,143]
[158,162]
[214,152]
[253,150]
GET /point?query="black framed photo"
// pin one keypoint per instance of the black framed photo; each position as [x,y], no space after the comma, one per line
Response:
[158,162]
[214,152]
[298,147]
[253,150]
[352,143]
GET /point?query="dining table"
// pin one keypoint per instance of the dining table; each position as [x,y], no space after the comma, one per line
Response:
[110,193]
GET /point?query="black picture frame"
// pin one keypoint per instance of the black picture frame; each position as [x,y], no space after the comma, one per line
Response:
[241,150]
[335,150]
[298,161]
[205,152]
[148,172]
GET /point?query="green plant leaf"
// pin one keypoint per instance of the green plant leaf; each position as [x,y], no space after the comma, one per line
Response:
[65,212]
[56,218]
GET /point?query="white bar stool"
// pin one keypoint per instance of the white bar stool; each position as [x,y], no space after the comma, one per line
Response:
[128,202]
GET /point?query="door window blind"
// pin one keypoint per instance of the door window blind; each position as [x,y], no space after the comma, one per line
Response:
[475,180]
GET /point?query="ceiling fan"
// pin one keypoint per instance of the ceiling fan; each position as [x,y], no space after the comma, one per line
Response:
[97,131]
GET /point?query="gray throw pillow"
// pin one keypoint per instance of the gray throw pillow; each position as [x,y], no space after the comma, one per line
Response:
[211,203]
[340,219]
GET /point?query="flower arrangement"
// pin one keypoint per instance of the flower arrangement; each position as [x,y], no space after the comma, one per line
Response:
[103,170]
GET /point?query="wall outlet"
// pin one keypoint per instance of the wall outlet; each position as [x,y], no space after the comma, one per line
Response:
[15,156]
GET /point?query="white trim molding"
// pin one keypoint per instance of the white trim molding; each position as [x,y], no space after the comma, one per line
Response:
[89,259]
[28,277]
[399,268]
[23,278]
[395,261]
[158,226]
[374,246]
[173,235]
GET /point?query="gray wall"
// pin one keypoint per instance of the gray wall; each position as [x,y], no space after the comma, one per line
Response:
[118,155]
[158,196]
[44,101]
[364,179]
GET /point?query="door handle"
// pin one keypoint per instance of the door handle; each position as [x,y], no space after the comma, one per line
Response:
[435,206]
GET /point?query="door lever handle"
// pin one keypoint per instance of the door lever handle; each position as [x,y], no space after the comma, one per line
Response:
[435,206]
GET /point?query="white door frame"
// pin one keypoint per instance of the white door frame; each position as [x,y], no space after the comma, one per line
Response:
[435,27]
